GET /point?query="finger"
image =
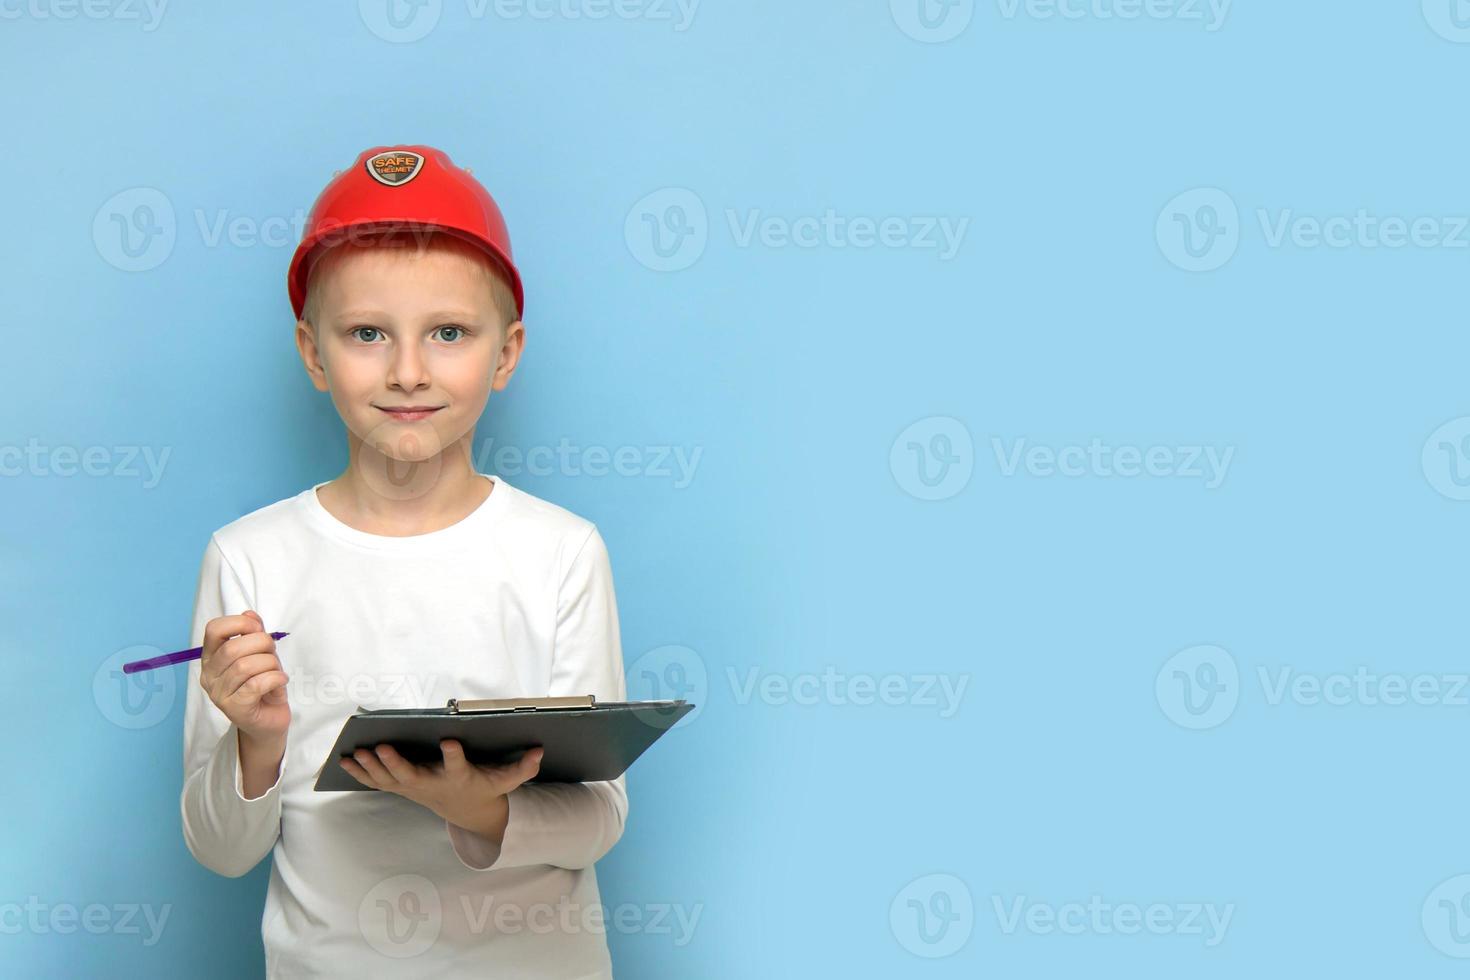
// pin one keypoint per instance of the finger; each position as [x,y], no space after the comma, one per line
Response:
[398,767]
[357,772]
[454,760]
[236,647]
[259,623]
[246,667]
[233,686]
[508,777]
[256,688]
[529,762]
[222,628]
[369,761]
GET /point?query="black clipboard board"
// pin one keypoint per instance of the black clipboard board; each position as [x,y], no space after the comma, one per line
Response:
[586,740]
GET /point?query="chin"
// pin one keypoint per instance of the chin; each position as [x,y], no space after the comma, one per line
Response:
[410,442]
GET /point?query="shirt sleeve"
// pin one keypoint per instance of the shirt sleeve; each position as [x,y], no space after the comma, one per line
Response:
[225,832]
[567,825]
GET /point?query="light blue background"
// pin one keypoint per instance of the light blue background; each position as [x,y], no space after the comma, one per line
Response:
[1334,542]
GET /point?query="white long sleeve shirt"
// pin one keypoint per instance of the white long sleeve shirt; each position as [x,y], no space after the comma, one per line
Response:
[515,599]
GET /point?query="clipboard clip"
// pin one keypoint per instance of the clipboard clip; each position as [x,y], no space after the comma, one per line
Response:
[489,705]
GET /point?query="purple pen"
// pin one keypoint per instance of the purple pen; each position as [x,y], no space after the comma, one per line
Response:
[182,656]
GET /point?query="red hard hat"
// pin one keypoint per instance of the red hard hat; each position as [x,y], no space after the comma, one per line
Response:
[402,187]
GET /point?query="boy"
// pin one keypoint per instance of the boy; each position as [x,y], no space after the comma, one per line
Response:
[407,580]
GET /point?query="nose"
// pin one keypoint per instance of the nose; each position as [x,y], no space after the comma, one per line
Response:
[408,370]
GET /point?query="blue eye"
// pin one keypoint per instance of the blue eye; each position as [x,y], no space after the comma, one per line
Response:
[457,333]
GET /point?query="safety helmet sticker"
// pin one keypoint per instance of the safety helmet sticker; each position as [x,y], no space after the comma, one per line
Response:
[395,167]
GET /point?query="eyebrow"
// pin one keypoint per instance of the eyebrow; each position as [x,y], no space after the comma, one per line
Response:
[438,316]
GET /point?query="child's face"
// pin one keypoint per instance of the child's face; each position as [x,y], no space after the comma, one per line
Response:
[397,328]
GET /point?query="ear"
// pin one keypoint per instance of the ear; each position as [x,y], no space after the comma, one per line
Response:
[311,355]
[510,355]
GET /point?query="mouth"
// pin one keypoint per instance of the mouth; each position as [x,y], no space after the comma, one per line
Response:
[409,413]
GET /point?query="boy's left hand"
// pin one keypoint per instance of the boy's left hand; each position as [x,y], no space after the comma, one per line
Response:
[466,794]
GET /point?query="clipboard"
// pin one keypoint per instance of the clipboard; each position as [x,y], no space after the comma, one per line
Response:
[585,740]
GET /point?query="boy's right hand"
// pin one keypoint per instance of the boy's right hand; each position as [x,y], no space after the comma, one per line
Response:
[240,673]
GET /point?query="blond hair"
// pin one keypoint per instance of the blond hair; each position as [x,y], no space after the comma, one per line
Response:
[323,260]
